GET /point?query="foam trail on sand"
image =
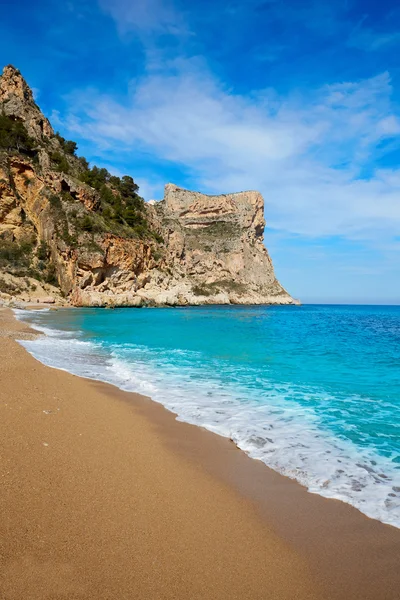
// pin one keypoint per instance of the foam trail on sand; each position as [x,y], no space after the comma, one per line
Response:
[276,423]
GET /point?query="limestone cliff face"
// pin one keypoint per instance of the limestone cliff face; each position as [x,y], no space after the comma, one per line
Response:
[215,246]
[16,99]
[60,236]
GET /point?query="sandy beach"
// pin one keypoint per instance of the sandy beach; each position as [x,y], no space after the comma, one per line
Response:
[104,495]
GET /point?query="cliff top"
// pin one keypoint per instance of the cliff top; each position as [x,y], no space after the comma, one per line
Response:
[12,83]
[195,209]
[17,101]
[65,223]
[172,187]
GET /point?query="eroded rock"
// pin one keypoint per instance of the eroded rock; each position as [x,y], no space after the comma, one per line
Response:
[205,249]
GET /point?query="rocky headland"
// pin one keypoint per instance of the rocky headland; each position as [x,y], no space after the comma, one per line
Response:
[71,234]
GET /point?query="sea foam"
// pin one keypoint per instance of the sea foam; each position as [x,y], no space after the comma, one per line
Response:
[266,420]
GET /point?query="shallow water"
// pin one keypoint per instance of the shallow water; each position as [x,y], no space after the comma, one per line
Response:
[312,391]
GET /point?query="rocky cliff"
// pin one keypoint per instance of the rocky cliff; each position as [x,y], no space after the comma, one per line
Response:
[82,236]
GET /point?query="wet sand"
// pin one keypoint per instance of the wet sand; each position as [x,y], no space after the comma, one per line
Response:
[104,495]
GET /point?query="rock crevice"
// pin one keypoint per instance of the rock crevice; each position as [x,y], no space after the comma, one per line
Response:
[56,233]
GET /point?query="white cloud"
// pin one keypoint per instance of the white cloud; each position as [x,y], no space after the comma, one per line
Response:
[144,16]
[304,153]
[35,93]
[149,189]
[371,41]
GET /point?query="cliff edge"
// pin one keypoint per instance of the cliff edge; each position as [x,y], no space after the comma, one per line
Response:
[215,246]
[74,234]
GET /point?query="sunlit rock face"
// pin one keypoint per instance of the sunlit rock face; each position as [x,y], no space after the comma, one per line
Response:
[215,246]
[196,249]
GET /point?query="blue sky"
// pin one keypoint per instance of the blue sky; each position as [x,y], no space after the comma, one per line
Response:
[298,99]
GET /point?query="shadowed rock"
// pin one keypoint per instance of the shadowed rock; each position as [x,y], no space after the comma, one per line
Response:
[191,248]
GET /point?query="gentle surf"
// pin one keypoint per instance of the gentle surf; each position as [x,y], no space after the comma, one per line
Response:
[312,391]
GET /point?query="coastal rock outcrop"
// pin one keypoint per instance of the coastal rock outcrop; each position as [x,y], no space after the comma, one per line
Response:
[16,100]
[87,237]
[214,245]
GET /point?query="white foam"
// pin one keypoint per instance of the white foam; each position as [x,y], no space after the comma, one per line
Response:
[285,435]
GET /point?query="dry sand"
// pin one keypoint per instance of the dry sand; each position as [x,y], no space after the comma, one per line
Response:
[105,496]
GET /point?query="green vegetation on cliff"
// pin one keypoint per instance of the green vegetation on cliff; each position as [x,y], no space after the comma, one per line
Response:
[120,201]
[68,146]
[55,208]
[121,209]
[14,137]
[63,219]
[19,258]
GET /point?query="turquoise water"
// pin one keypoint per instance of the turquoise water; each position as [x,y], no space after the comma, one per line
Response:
[313,391]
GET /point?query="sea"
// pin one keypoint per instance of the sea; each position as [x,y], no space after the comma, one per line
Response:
[312,391]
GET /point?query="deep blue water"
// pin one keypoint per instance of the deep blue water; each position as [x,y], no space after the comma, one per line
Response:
[313,391]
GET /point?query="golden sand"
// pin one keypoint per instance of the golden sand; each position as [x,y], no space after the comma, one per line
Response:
[105,496]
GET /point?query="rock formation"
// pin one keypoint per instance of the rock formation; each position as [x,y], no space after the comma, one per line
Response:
[84,237]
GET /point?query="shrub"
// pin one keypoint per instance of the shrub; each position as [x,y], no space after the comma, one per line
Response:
[68,146]
[115,181]
[13,136]
[158,238]
[107,212]
[8,288]
[55,202]
[121,204]
[202,290]
[92,246]
[84,163]
[61,163]
[107,195]
[95,177]
[42,251]
[227,285]
[14,252]
[156,254]
[86,223]
[61,221]
[132,217]
[128,187]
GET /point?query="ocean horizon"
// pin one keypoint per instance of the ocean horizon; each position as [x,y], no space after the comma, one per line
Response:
[313,391]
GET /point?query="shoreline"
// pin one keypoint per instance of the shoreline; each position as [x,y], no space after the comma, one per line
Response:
[311,480]
[319,547]
[23,304]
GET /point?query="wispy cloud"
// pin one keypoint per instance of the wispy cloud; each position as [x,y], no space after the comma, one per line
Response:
[305,153]
[371,41]
[145,16]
